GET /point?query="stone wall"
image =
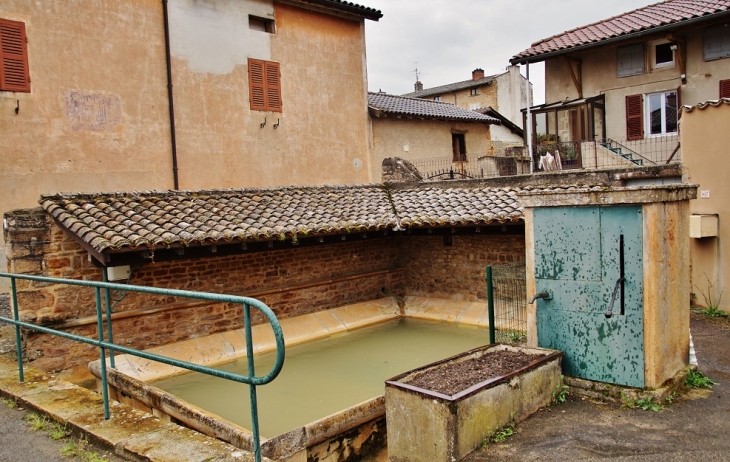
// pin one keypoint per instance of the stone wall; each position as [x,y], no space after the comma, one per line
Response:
[292,281]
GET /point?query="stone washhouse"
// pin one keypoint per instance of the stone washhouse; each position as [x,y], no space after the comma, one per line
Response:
[298,249]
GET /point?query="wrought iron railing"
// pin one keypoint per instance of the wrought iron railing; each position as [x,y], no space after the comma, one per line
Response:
[553,155]
[251,379]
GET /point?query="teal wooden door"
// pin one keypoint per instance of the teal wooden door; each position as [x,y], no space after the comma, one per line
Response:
[578,254]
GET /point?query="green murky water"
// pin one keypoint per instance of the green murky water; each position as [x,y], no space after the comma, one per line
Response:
[325,376]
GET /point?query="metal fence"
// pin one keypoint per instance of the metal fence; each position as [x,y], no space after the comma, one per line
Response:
[507,298]
[572,155]
[105,316]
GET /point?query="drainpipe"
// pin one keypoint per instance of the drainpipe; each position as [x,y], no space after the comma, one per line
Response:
[169,96]
[529,120]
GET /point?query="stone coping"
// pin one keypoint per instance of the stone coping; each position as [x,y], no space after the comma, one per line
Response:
[132,434]
[228,346]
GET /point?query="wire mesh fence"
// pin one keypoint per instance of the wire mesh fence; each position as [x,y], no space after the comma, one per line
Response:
[509,301]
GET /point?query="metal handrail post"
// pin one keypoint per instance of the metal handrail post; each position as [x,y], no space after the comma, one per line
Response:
[490,304]
[252,387]
[18,343]
[102,352]
[108,303]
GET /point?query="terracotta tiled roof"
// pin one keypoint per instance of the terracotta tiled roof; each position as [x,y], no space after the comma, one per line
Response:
[383,104]
[706,104]
[347,7]
[457,206]
[159,219]
[463,85]
[670,12]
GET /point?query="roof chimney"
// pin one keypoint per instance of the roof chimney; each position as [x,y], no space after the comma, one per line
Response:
[418,86]
[477,74]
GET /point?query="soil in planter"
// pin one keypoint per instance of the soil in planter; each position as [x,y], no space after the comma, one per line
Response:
[451,378]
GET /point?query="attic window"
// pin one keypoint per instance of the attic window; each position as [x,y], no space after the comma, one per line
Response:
[261,24]
[664,55]
[437,98]
[474,91]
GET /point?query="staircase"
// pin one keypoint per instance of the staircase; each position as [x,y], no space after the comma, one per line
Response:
[618,151]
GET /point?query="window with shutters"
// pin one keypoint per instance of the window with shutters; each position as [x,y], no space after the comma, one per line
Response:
[717,42]
[630,60]
[264,81]
[724,88]
[14,74]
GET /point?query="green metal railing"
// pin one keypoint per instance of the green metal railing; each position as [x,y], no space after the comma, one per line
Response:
[506,298]
[251,379]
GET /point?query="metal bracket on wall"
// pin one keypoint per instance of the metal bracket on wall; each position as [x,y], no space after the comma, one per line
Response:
[263,124]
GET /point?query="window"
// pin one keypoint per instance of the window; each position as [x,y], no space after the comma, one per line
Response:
[663,54]
[474,106]
[14,74]
[474,91]
[630,60]
[261,24]
[717,42]
[458,145]
[264,85]
[724,88]
[661,113]
[437,98]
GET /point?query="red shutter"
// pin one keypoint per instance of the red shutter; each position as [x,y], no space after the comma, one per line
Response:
[634,117]
[257,90]
[273,87]
[14,74]
[725,88]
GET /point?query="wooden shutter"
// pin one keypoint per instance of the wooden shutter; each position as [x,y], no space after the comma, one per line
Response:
[634,117]
[725,88]
[273,87]
[14,74]
[256,83]
[264,85]
[630,60]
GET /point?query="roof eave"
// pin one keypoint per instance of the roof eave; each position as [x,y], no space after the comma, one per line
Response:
[337,8]
[543,56]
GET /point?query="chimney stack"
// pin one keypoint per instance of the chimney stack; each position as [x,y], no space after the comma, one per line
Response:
[477,74]
[418,86]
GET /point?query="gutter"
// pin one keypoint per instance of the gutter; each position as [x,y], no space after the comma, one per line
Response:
[620,38]
[169,97]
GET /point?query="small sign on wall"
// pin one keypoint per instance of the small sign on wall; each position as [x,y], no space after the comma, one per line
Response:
[705,194]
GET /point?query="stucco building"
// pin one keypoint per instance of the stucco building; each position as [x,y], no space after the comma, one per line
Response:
[428,133]
[621,80]
[705,141]
[123,96]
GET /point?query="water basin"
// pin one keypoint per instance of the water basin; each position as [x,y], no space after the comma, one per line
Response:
[327,375]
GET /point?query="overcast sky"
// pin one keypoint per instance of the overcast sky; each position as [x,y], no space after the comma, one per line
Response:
[450,38]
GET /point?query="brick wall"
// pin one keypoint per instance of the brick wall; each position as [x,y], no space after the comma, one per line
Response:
[292,281]
[456,271]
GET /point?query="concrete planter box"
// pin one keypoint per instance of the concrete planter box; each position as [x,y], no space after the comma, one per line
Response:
[425,425]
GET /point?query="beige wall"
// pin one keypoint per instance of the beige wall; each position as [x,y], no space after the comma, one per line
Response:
[706,146]
[322,132]
[97,118]
[599,77]
[423,139]
[463,98]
